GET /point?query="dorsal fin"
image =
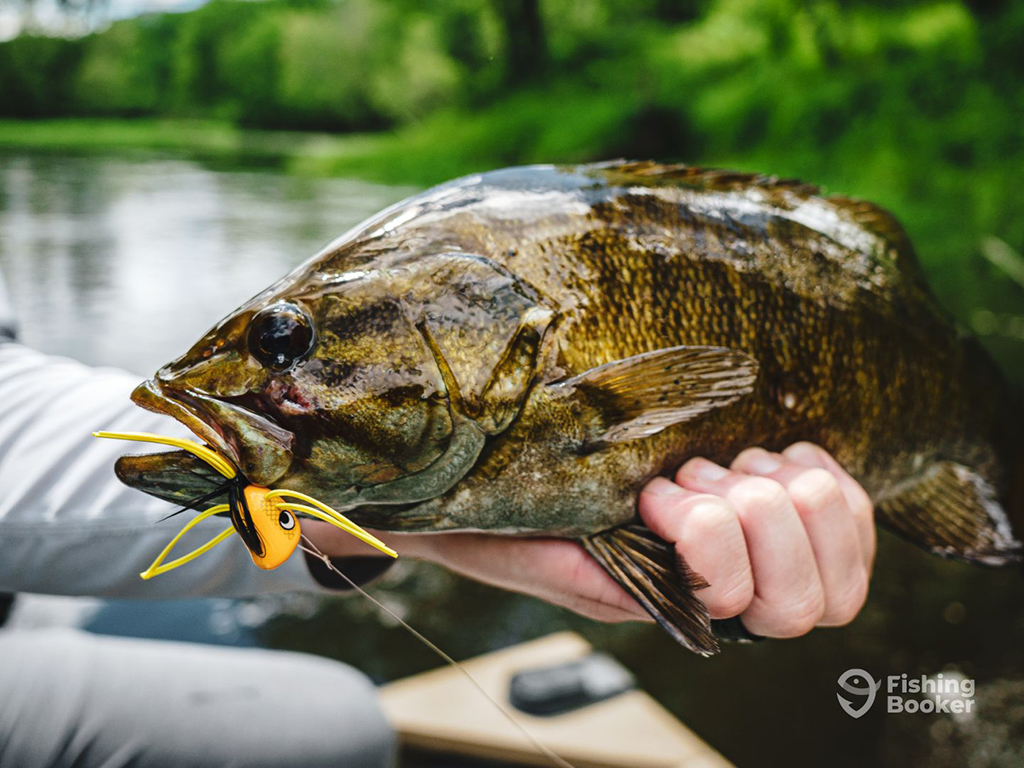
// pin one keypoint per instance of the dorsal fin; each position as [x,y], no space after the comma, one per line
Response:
[873,218]
[888,231]
[705,178]
[838,249]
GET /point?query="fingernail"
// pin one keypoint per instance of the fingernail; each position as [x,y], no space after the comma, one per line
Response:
[702,469]
[806,454]
[761,463]
[661,486]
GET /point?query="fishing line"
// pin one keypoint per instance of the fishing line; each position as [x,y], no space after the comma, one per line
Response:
[312,549]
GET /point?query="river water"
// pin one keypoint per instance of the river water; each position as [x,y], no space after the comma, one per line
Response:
[126,261]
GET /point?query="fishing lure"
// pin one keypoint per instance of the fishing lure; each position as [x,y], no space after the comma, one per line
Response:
[266,520]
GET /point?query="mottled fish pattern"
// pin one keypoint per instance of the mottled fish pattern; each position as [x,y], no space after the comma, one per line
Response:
[520,351]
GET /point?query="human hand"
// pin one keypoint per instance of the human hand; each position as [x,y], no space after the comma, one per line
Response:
[786,548]
[786,541]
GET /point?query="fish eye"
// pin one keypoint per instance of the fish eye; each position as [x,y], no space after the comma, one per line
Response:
[280,335]
[286,520]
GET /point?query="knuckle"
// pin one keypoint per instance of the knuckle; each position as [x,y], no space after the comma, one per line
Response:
[668,508]
[759,493]
[699,469]
[733,598]
[815,489]
[707,517]
[747,454]
[689,465]
[848,606]
[802,616]
[804,452]
[862,507]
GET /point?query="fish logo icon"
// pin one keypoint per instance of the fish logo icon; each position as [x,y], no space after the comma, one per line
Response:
[850,681]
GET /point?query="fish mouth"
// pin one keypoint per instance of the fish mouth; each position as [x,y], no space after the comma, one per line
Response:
[175,476]
[260,450]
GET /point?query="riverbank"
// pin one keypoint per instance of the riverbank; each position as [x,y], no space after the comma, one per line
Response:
[530,127]
[194,138]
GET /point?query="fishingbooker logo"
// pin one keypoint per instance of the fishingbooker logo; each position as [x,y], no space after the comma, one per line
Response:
[859,683]
[949,693]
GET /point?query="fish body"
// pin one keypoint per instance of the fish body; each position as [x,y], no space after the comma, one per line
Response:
[520,351]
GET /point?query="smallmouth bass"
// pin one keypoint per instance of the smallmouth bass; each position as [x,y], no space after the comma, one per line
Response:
[519,351]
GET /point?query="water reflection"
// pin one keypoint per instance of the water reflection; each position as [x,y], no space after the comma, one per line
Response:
[120,262]
[126,262]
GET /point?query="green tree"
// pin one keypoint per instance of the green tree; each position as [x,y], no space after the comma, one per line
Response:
[526,50]
[35,75]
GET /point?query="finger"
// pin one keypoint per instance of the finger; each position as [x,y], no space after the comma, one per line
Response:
[788,598]
[708,537]
[857,499]
[821,504]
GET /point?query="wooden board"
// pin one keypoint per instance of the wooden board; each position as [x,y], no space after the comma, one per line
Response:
[441,710]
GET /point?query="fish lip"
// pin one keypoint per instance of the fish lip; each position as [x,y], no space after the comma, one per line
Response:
[150,472]
[197,412]
[152,396]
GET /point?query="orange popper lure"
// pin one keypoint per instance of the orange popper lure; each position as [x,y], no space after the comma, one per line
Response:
[266,520]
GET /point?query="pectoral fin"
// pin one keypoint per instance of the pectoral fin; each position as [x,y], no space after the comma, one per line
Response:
[649,570]
[952,511]
[642,395]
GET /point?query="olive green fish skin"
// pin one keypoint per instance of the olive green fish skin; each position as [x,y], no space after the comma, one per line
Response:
[450,319]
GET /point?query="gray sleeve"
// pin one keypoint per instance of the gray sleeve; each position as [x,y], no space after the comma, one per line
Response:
[73,698]
[67,526]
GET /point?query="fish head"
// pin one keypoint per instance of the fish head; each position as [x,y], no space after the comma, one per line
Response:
[337,382]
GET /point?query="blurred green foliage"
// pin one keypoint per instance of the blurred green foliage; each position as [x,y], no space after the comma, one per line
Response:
[300,64]
[915,104]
